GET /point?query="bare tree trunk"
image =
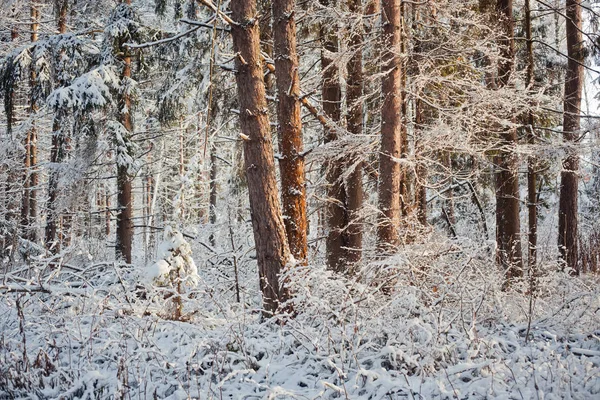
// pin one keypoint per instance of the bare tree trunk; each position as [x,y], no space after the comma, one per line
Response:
[59,143]
[272,249]
[531,161]
[354,102]
[212,212]
[567,212]
[391,128]
[508,226]
[331,93]
[291,164]
[29,201]
[421,189]
[124,180]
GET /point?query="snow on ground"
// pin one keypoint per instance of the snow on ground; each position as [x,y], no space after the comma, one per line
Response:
[432,324]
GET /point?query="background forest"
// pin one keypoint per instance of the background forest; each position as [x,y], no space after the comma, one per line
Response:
[359,199]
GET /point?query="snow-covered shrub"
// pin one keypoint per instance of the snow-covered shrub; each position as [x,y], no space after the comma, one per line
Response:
[174,268]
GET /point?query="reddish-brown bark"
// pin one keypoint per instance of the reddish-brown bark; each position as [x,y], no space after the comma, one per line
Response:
[289,127]
[508,226]
[269,232]
[569,183]
[391,127]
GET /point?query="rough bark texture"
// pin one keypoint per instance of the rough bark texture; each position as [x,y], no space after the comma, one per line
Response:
[331,93]
[508,227]
[354,102]
[567,213]
[531,161]
[269,232]
[391,127]
[289,127]
[29,201]
[58,150]
[124,180]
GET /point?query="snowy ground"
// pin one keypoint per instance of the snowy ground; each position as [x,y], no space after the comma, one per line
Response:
[443,329]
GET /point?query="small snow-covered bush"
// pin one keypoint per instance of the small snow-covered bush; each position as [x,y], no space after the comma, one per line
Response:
[174,268]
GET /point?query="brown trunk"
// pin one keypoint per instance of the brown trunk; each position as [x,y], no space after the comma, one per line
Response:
[391,128]
[567,212]
[291,164]
[508,227]
[212,212]
[421,188]
[354,94]
[124,180]
[29,201]
[331,93]
[531,161]
[272,250]
[58,149]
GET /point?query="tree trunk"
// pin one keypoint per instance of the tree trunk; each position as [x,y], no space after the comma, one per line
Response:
[508,227]
[567,212]
[331,93]
[291,164]
[29,201]
[269,231]
[212,203]
[354,103]
[124,180]
[391,128]
[59,144]
[531,161]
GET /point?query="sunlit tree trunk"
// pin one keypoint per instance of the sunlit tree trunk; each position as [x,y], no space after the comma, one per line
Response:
[269,231]
[567,213]
[291,163]
[391,127]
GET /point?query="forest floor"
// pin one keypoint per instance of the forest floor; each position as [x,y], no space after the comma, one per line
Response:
[441,328]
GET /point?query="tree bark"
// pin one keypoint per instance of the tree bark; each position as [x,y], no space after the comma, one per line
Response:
[289,127]
[269,232]
[59,144]
[391,128]
[124,232]
[331,93]
[508,227]
[29,201]
[531,161]
[354,104]
[567,213]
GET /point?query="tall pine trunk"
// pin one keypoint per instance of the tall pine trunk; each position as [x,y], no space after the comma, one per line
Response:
[508,226]
[291,163]
[124,238]
[272,249]
[354,103]
[531,161]
[331,93]
[567,212]
[59,144]
[29,201]
[391,127]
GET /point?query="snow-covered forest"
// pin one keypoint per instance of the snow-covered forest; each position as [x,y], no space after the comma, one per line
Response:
[300,199]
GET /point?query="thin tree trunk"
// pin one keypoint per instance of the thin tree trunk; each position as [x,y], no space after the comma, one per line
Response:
[531,161]
[272,249]
[354,102]
[391,128]
[421,189]
[212,212]
[59,143]
[291,164]
[28,214]
[124,180]
[508,226]
[567,213]
[331,93]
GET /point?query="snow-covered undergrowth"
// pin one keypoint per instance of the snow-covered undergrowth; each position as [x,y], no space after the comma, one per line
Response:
[431,323]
